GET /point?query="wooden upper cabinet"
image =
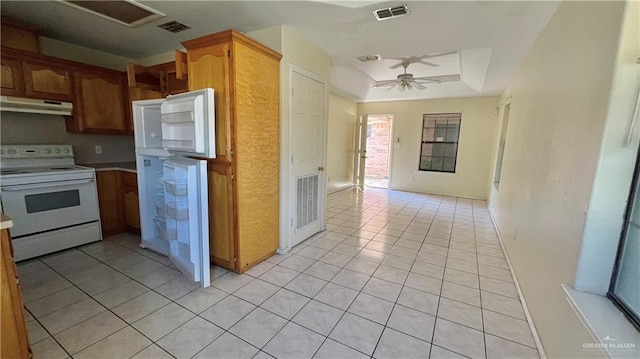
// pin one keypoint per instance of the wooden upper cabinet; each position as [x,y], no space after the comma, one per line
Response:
[46,81]
[11,78]
[20,36]
[209,66]
[100,103]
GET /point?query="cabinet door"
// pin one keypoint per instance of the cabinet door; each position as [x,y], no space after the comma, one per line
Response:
[130,201]
[100,106]
[222,242]
[110,202]
[47,82]
[11,78]
[209,67]
[13,334]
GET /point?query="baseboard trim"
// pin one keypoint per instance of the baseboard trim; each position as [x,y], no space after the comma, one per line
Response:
[341,188]
[527,313]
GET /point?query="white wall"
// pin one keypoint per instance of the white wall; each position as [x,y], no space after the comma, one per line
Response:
[65,50]
[28,129]
[559,106]
[474,149]
[340,143]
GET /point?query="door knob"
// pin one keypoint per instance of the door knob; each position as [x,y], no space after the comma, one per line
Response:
[321,169]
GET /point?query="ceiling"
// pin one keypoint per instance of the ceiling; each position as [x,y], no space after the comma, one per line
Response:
[486,40]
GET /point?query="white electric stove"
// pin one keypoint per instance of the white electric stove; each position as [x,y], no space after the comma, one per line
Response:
[52,201]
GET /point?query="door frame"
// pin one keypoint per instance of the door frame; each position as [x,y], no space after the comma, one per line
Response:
[322,189]
[392,136]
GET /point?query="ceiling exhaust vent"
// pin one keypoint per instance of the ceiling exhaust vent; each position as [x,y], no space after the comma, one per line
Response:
[173,26]
[125,12]
[367,58]
[391,12]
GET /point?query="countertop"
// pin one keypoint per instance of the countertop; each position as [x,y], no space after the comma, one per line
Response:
[113,166]
[5,222]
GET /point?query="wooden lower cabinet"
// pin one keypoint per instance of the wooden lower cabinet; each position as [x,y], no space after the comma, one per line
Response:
[110,202]
[118,202]
[13,334]
[222,244]
[130,201]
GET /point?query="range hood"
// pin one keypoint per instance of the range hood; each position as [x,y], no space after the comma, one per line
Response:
[19,104]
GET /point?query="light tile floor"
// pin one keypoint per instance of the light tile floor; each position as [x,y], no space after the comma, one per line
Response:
[395,275]
[375,182]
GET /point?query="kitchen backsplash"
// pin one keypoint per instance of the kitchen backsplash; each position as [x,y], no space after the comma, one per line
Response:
[25,129]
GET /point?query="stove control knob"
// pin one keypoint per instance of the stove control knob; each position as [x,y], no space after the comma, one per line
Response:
[66,150]
[57,150]
[12,151]
[46,151]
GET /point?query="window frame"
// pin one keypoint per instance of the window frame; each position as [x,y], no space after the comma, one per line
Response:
[425,118]
[611,294]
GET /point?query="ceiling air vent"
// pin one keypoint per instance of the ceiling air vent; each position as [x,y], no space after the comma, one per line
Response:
[391,12]
[125,12]
[173,26]
[367,58]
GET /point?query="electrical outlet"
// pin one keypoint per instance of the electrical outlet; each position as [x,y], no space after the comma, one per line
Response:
[98,150]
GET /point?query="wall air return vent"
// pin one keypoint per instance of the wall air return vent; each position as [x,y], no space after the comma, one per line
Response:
[173,26]
[125,12]
[391,12]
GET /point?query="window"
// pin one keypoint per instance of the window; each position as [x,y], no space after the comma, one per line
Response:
[503,135]
[440,133]
[625,283]
[369,130]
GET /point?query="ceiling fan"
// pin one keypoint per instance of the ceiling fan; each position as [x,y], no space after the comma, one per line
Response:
[406,81]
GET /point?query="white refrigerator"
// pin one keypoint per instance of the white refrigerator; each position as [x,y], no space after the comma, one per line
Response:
[173,138]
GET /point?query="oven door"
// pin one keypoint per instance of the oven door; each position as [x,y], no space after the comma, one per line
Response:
[42,207]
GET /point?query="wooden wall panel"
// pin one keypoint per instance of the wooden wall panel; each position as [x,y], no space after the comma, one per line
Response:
[257,100]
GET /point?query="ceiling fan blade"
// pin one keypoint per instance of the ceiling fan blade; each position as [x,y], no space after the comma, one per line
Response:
[398,65]
[440,79]
[417,85]
[426,81]
[427,63]
[384,83]
[392,87]
[436,55]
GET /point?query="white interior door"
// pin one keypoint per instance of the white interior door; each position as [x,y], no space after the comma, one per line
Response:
[188,123]
[186,222]
[362,127]
[307,148]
